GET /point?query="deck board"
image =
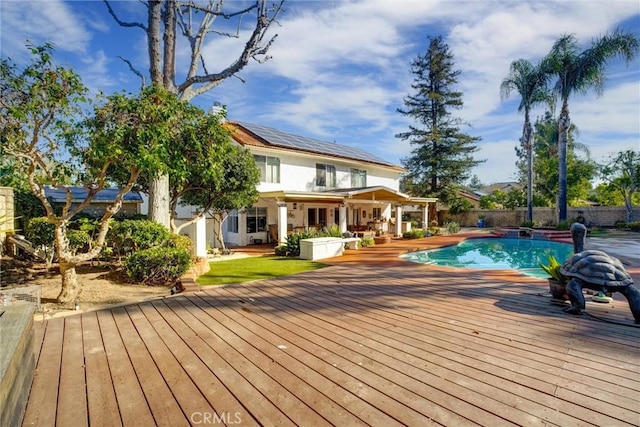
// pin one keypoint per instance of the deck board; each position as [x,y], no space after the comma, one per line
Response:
[101,401]
[346,345]
[457,364]
[72,376]
[163,405]
[131,401]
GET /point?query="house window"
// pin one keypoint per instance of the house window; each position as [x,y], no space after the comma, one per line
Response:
[256,220]
[325,175]
[317,217]
[377,213]
[232,222]
[358,178]
[269,168]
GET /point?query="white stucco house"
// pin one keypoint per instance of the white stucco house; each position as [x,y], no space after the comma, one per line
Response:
[308,183]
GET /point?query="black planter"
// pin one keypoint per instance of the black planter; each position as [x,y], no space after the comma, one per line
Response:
[558,289]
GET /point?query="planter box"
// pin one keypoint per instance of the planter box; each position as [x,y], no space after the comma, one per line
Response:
[558,289]
[17,361]
[321,247]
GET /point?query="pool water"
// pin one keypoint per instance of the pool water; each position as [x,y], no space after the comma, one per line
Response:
[524,255]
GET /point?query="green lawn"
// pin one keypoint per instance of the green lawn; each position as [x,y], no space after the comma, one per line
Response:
[254,268]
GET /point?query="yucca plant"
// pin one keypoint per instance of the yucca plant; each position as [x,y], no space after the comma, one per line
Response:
[553,269]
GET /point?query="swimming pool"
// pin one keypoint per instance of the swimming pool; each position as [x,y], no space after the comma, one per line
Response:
[523,255]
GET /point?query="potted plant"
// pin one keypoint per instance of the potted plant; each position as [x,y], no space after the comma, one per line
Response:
[481,220]
[557,282]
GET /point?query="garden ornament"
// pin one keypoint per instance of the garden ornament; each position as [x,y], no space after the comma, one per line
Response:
[599,271]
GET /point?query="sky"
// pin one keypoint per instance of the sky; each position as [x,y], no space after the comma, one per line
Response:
[339,70]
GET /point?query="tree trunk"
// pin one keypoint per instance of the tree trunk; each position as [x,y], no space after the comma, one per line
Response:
[159,199]
[527,136]
[628,204]
[153,41]
[563,138]
[70,286]
[220,220]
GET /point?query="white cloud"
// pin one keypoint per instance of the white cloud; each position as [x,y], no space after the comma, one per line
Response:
[340,69]
[41,21]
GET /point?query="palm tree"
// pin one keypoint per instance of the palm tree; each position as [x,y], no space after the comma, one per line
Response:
[577,72]
[531,83]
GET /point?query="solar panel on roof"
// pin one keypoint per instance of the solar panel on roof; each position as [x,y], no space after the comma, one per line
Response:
[282,139]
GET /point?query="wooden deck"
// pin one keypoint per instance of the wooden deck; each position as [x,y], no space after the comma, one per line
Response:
[356,343]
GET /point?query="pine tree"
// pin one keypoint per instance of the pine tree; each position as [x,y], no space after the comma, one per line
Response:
[441,157]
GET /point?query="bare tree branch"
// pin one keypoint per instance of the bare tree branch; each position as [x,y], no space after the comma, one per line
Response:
[196,84]
[133,70]
[122,23]
[217,11]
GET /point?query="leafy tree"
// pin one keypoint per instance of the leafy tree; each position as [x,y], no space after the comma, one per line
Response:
[531,84]
[236,189]
[459,205]
[622,174]
[516,198]
[475,183]
[495,200]
[441,158]
[166,19]
[578,71]
[40,107]
[206,168]
[581,168]
[216,175]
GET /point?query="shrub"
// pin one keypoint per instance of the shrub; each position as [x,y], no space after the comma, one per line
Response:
[452,227]
[40,232]
[414,233]
[528,224]
[128,236]
[79,240]
[634,226]
[333,231]
[179,241]
[293,241]
[157,266]
[367,241]
[620,224]
[281,250]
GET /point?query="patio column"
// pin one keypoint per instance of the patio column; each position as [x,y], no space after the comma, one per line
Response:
[398,220]
[425,216]
[200,237]
[343,218]
[282,222]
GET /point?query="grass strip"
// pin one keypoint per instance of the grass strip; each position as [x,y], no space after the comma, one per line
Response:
[254,268]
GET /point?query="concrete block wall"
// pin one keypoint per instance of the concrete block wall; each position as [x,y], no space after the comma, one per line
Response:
[597,216]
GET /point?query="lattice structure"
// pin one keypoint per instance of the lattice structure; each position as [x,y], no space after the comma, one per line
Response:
[21,295]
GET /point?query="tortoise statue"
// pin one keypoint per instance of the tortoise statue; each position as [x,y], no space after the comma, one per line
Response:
[599,271]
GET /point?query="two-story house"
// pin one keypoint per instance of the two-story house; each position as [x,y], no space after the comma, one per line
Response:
[308,183]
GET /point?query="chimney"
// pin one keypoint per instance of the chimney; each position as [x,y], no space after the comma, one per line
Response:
[218,110]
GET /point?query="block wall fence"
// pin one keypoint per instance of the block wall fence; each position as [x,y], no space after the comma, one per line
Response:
[598,216]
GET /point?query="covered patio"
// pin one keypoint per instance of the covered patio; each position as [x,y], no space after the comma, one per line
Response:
[377,208]
[369,340]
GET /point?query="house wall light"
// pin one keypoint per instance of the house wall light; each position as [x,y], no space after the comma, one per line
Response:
[295,205]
